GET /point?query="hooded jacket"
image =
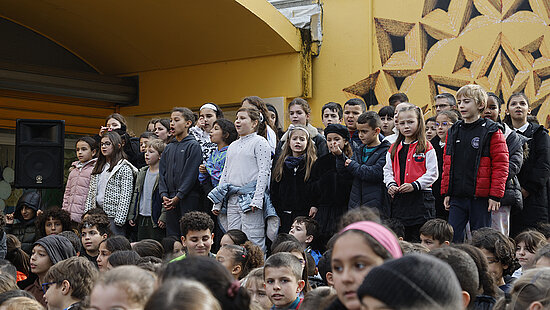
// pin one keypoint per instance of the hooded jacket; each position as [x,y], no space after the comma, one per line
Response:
[76,191]
[368,187]
[25,230]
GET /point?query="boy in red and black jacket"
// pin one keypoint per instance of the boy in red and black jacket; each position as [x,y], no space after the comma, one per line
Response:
[475,165]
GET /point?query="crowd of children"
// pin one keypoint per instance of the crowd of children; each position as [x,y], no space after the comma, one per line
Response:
[203,213]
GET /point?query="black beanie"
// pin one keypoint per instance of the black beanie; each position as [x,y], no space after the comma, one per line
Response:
[57,247]
[413,281]
[338,129]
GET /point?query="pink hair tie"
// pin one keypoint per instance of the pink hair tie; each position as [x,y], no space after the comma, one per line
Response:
[380,233]
[233,289]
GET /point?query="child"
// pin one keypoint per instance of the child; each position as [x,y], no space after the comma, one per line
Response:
[233,237]
[19,258]
[53,221]
[247,169]
[265,127]
[527,244]
[126,287]
[299,113]
[223,133]
[68,283]
[151,124]
[529,292]
[367,165]
[499,251]
[542,257]
[47,252]
[332,113]
[196,234]
[296,249]
[21,223]
[318,298]
[386,116]
[515,142]
[410,171]
[144,138]
[397,98]
[283,281]
[146,211]
[352,109]
[436,233]
[182,294]
[163,130]
[93,229]
[418,282]
[289,192]
[178,173]
[329,187]
[254,283]
[443,121]
[473,182]
[305,230]
[112,182]
[78,182]
[208,114]
[109,246]
[535,171]
[431,129]
[239,260]
[356,249]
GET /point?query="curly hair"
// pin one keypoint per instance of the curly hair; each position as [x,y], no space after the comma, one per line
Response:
[487,284]
[54,213]
[499,245]
[249,256]
[195,221]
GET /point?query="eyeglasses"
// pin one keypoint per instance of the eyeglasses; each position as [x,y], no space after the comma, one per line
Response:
[46,286]
[441,106]
[444,124]
[106,143]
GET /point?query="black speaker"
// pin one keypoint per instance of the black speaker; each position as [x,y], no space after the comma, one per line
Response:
[39,154]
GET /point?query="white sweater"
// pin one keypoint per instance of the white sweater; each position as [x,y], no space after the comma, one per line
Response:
[249,159]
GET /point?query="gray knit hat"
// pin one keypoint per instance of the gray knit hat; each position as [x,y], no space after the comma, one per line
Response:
[416,281]
[57,247]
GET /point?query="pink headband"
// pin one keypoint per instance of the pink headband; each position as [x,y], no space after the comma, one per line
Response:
[380,233]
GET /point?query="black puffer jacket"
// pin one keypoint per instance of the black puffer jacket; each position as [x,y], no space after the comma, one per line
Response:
[25,230]
[512,194]
[533,177]
[368,184]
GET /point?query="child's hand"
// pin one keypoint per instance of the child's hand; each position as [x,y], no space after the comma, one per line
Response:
[202,169]
[39,212]
[9,218]
[348,161]
[170,203]
[216,212]
[447,203]
[493,205]
[161,224]
[103,130]
[335,149]
[406,188]
[393,190]
[132,223]
[313,212]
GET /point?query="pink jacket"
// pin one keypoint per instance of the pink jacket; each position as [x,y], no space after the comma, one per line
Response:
[76,191]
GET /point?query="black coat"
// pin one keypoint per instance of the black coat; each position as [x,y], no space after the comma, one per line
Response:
[290,193]
[512,194]
[533,177]
[368,187]
[330,190]
[440,211]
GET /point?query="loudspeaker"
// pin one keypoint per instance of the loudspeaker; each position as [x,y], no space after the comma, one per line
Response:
[39,154]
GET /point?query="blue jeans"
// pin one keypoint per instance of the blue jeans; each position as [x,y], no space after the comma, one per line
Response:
[463,210]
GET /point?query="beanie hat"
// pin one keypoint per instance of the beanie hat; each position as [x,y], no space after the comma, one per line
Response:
[380,233]
[57,247]
[413,281]
[338,129]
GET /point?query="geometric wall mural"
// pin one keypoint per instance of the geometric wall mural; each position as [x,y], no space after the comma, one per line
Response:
[502,45]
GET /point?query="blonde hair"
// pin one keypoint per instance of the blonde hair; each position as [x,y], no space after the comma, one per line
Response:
[7,283]
[310,154]
[254,275]
[22,303]
[138,284]
[475,92]
[182,294]
[422,145]
[157,144]
[533,286]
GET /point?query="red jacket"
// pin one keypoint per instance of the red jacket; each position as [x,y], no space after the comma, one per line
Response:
[491,162]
